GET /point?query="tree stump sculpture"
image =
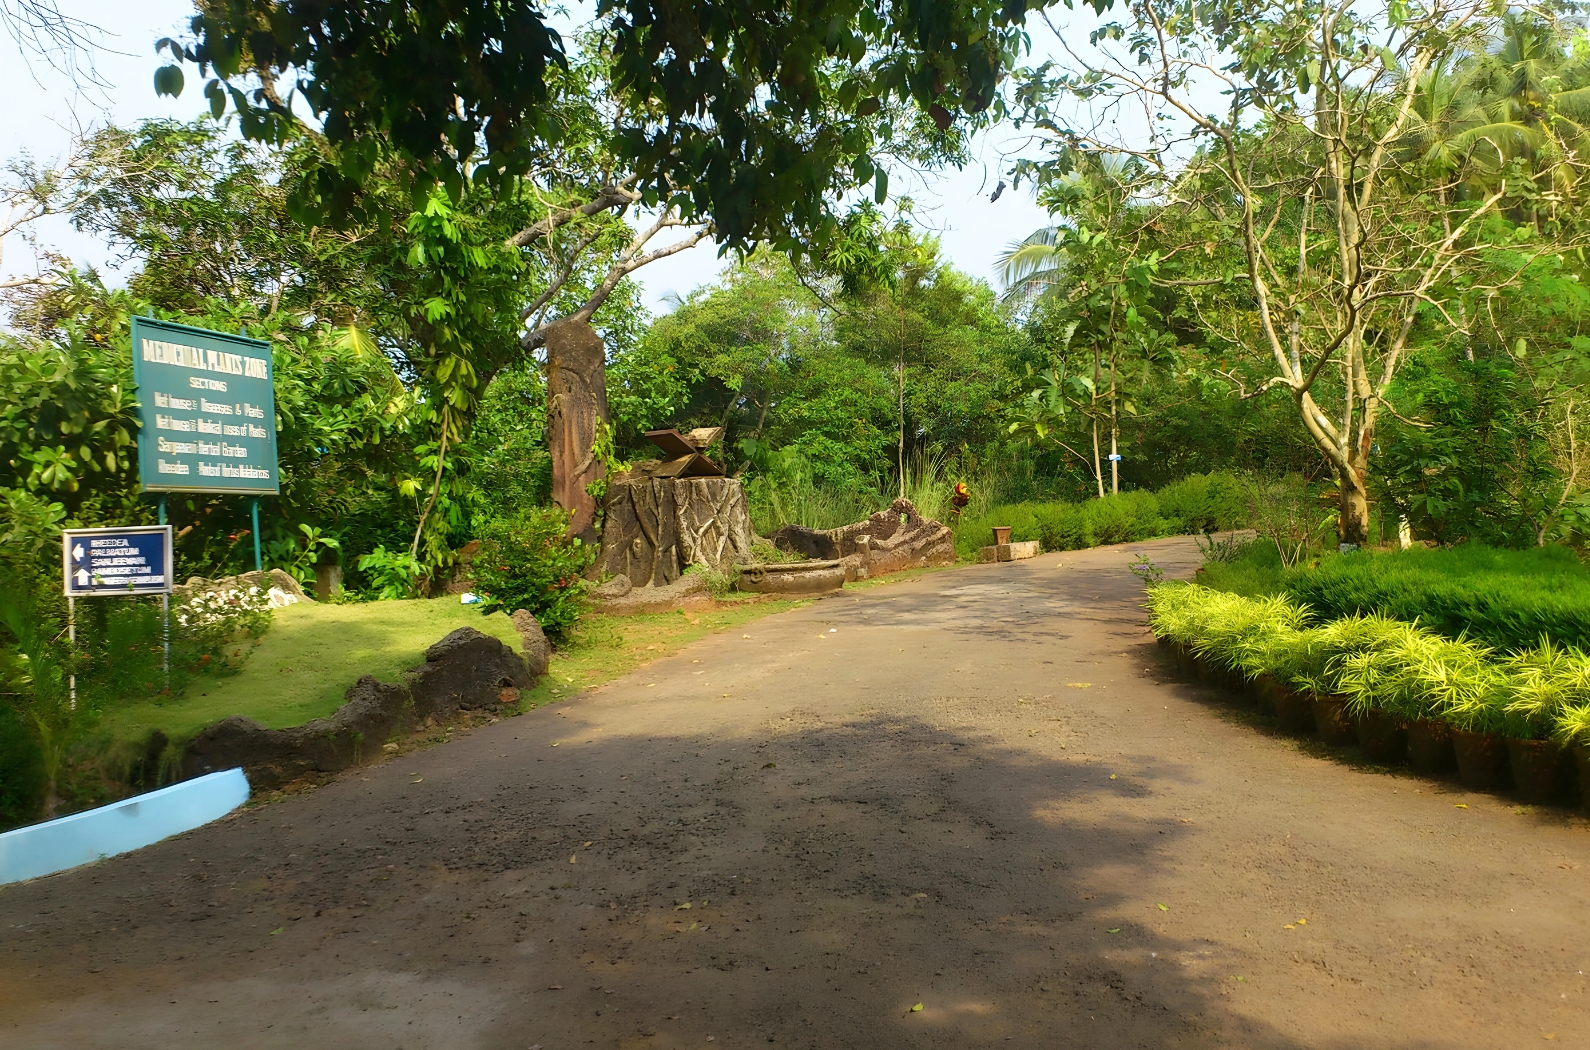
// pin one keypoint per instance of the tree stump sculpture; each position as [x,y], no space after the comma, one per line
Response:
[576,403]
[657,527]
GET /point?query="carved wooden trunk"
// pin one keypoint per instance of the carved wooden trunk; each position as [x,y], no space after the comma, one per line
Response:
[656,527]
[890,540]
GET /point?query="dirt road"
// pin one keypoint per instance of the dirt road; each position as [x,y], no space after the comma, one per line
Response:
[978,791]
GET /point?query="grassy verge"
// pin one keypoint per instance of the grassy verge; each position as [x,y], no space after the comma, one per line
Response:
[602,648]
[1507,599]
[1199,503]
[313,653]
[302,666]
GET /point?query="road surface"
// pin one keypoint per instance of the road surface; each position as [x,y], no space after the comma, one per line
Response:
[980,791]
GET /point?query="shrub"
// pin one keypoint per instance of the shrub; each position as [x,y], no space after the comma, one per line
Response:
[21,770]
[1123,517]
[1378,663]
[1286,513]
[1506,599]
[524,562]
[1544,684]
[391,574]
[1062,526]
[1206,503]
[1253,571]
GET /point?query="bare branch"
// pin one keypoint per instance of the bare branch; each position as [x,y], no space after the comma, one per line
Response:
[618,196]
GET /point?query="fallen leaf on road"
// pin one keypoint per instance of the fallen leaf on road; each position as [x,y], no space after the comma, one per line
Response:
[1162,907]
[682,907]
[588,845]
[1112,776]
[1078,685]
[1302,922]
[1459,805]
[554,988]
[769,765]
[692,926]
[554,743]
[1116,929]
[421,780]
[572,858]
[1288,926]
[277,930]
[917,1008]
[745,636]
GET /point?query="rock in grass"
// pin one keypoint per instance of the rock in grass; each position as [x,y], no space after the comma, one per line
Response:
[617,587]
[537,650]
[466,670]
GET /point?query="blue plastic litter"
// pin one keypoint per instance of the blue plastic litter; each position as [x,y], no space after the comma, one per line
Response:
[120,827]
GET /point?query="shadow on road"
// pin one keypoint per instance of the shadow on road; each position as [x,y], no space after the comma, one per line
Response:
[803,883]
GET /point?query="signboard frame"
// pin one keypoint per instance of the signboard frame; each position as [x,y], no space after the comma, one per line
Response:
[220,353]
[122,590]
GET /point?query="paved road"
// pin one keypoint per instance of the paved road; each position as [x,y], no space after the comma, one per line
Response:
[978,791]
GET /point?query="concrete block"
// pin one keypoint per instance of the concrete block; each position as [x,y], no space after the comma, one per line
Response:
[1009,551]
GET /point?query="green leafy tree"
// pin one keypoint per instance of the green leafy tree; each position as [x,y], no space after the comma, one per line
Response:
[1092,279]
[1306,236]
[717,102]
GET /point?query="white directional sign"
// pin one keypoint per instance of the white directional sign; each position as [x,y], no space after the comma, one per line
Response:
[135,559]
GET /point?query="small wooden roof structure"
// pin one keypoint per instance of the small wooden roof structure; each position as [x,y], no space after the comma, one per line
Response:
[684,453]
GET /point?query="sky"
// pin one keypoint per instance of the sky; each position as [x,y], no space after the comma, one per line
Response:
[44,106]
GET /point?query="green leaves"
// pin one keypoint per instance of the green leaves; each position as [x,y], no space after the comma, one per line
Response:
[215,94]
[526,563]
[715,100]
[169,81]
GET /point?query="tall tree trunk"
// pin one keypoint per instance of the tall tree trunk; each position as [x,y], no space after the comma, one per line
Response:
[1354,502]
[1115,433]
[576,403]
[1098,467]
[436,483]
[901,452]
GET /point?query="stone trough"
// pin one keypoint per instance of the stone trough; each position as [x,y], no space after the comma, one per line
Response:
[796,577]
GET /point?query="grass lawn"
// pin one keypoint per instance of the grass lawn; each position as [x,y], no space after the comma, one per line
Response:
[602,648]
[314,652]
[310,656]
[1507,599]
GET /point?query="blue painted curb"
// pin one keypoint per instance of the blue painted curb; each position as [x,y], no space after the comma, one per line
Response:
[120,827]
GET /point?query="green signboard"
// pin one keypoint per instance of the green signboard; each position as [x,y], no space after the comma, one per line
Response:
[208,410]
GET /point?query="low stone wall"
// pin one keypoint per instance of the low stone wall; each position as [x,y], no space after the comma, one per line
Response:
[465,671]
[282,589]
